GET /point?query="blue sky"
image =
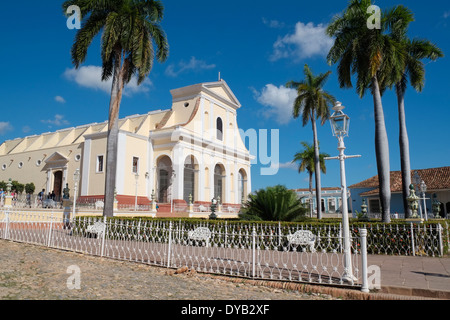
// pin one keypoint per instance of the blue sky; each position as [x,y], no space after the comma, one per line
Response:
[257,47]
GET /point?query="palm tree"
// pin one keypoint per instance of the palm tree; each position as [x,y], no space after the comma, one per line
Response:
[313,103]
[273,204]
[414,69]
[372,56]
[305,160]
[130,30]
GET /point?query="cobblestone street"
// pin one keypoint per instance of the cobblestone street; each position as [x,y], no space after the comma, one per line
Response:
[36,273]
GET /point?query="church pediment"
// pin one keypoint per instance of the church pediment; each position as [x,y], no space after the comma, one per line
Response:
[221,89]
[218,90]
[56,158]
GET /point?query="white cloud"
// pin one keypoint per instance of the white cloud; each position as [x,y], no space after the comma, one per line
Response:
[285,165]
[60,99]
[193,64]
[5,127]
[307,41]
[91,77]
[446,14]
[279,100]
[58,121]
[273,23]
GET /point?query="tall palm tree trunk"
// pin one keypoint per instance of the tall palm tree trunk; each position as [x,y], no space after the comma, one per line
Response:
[113,135]
[382,153]
[310,194]
[404,149]
[317,168]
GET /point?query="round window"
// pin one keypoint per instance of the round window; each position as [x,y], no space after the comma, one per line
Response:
[20,165]
[38,163]
[4,167]
[78,157]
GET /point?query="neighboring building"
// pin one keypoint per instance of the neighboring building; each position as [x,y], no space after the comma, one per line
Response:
[331,199]
[193,149]
[437,181]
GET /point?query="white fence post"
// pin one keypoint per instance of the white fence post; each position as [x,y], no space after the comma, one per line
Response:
[170,245]
[103,238]
[441,245]
[254,251]
[365,284]
[6,235]
[412,241]
[50,231]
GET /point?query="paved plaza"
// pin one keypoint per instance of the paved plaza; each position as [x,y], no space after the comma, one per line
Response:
[32,272]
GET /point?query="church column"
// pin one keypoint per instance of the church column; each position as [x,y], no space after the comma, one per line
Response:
[227,183]
[85,168]
[150,170]
[64,178]
[121,169]
[212,186]
[236,183]
[201,182]
[49,181]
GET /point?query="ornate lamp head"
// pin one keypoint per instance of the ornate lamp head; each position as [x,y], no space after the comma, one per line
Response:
[340,122]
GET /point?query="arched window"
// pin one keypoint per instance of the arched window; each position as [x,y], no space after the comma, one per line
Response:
[219,128]
[242,186]
[219,181]
[164,172]
[190,178]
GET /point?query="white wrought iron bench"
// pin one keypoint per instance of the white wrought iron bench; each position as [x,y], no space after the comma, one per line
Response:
[303,238]
[99,205]
[231,210]
[200,234]
[97,228]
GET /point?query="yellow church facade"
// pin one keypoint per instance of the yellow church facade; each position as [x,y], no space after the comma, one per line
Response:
[190,153]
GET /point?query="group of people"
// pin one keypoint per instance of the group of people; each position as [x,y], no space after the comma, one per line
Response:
[40,198]
[50,196]
[3,195]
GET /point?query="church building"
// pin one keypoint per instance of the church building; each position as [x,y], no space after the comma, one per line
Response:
[192,152]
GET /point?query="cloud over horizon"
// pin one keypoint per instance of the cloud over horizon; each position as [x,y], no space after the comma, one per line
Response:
[91,77]
[58,121]
[308,40]
[60,99]
[5,127]
[279,100]
[194,64]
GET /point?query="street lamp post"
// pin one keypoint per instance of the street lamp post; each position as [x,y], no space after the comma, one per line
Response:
[416,180]
[76,180]
[436,206]
[213,209]
[423,189]
[340,127]
[136,197]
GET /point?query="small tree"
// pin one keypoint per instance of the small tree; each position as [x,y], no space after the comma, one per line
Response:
[30,188]
[19,187]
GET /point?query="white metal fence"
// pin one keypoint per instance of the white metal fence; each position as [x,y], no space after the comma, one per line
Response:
[254,251]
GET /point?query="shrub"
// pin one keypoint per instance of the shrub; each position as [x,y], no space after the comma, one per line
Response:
[273,204]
